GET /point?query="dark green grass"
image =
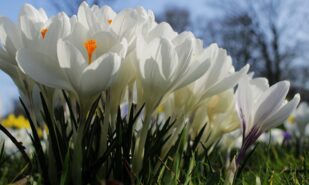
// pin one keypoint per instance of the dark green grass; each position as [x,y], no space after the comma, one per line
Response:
[272,164]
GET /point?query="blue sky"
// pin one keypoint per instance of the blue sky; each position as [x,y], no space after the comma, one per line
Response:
[10,8]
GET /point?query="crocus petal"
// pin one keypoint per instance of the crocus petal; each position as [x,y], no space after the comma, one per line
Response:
[59,28]
[10,36]
[194,73]
[99,75]
[125,24]
[42,69]
[84,15]
[31,21]
[77,37]
[184,52]
[244,103]
[219,57]
[154,83]
[226,83]
[120,48]
[71,61]
[278,117]
[167,58]
[163,30]
[271,100]
[105,41]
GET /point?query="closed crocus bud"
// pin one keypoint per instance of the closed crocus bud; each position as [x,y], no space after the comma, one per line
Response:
[261,108]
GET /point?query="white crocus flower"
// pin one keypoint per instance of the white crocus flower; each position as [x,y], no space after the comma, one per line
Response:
[85,65]
[40,36]
[164,66]
[33,23]
[126,24]
[220,77]
[261,108]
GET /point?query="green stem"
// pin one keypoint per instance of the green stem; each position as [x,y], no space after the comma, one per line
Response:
[140,145]
[104,128]
[77,158]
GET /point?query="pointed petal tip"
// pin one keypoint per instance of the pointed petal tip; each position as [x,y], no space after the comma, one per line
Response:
[84,4]
[297,98]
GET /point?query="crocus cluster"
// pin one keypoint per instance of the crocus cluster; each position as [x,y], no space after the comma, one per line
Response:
[128,58]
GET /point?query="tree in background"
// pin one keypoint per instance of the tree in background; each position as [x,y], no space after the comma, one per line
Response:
[267,34]
[177,17]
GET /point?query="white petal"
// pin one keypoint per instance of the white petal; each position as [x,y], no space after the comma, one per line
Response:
[184,52]
[78,37]
[270,101]
[125,24]
[99,75]
[167,58]
[154,84]
[261,83]
[59,28]
[195,72]
[31,21]
[42,69]
[120,48]
[283,113]
[105,41]
[10,36]
[71,61]
[218,60]
[83,14]
[226,83]
[163,30]
[244,103]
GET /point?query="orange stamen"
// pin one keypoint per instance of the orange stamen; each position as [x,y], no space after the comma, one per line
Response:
[43,32]
[110,21]
[91,46]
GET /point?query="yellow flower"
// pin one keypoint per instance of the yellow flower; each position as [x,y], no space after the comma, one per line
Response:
[160,109]
[19,122]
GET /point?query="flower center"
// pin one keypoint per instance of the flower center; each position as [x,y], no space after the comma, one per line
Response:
[43,32]
[91,46]
[109,21]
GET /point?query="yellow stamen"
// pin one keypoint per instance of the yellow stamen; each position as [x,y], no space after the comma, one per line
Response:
[110,21]
[43,32]
[291,119]
[91,46]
